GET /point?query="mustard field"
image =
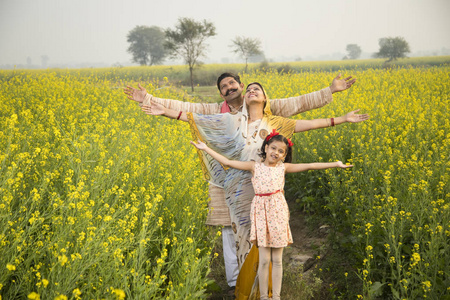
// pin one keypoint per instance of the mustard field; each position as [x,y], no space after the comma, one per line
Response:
[392,209]
[99,201]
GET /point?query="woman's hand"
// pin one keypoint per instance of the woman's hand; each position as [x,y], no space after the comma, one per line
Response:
[155,109]
[342,166]
[352,117]
[200,145]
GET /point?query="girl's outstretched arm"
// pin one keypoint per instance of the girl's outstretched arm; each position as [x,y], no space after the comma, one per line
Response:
[294,168]
[157,109]
[235,164]
[351,117]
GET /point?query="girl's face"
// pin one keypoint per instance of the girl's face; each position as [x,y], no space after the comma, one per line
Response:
[254,93]
[275,152]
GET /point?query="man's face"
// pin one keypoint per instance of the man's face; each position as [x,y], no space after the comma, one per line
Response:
[230,89]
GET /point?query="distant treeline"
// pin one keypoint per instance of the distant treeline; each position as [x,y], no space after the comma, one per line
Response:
[207,74]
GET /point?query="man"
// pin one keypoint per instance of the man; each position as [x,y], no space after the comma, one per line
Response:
[231,88]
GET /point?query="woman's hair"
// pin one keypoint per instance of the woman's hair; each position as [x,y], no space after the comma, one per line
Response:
[259,84]
[263,90]
[279,138]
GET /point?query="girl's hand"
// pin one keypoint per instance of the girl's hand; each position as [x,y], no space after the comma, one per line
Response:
[342,166]
[352,117]
[155,109]
[200,145]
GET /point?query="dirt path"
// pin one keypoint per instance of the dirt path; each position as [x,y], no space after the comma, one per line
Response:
[297,258]
[306,241]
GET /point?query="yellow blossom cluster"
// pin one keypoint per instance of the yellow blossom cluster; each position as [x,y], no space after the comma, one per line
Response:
[395,202]
[99,199]
[94,194]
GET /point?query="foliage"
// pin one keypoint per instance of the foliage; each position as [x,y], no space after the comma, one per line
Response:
[147,45]
[392,48]
[391,212]
[97,200]
[353,51]
[188,41]
[207,75]
[246,47]
[90,188]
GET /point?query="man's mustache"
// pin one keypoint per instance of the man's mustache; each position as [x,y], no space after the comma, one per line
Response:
[229,91]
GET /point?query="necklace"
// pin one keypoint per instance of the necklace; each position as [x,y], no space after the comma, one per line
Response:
[255,128]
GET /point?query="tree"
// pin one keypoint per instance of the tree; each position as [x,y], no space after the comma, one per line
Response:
[246,47]
[353,51]
[147,45]
[188,41]
[44,60]
[392,48]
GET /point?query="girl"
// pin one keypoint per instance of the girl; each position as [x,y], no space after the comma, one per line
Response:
[269,211]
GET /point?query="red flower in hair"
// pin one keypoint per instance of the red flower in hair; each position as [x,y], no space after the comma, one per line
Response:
[274,133]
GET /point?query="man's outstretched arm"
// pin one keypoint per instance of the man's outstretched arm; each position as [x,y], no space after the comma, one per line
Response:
[141,96]
[294,105]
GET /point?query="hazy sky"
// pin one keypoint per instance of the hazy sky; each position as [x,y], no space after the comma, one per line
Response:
[76,31]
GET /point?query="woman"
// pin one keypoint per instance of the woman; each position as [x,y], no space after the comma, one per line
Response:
[239,136]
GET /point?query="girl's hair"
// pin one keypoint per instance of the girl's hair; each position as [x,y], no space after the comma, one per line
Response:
[279,138]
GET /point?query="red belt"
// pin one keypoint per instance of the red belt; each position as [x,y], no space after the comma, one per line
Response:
[268,194]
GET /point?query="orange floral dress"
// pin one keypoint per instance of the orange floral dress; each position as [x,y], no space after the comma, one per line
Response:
[269,212]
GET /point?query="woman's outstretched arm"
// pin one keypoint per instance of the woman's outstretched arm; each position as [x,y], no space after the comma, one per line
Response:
[351,117]
[157,109]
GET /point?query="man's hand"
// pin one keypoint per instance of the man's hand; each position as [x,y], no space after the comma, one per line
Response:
[137,95]
[339,85]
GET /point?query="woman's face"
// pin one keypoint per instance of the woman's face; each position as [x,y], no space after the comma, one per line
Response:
[254,94]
